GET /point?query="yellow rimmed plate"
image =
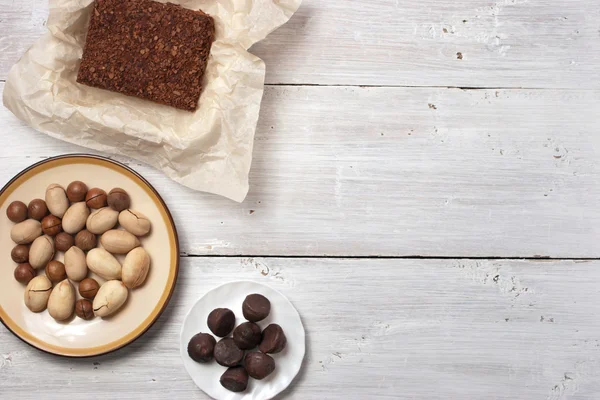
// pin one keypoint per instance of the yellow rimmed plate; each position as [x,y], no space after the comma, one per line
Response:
[76,337]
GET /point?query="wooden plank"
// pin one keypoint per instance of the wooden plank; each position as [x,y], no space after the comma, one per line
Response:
[389,329]
[394,172]
[467,43]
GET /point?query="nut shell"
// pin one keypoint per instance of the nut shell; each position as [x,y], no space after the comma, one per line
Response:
[55,271]
[88,288]
[63,241]
[84,309]
[86,240]
[75,218]
[37,293]
[76,191]
[102,220]
[17,211]
[51,225]
[135,268]
[41,252]
[24,273]
[61,303]
[75,264]
[20,253]
[26,232]
[104,264]
[134,222]
[118,199]
[95,198]
[110,298]
[37,209]
[56,200]
[117,241]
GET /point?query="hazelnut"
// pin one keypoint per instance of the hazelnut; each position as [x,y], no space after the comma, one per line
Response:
[63,241]
[51,225]
[20,253]
[16,211]
[118,199]
[76,191]
[55,271]
[95,198]
[85,240]
[88,288]
[24,273]
[84,309]
[37,209]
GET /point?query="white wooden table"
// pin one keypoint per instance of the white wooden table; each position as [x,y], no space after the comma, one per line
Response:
[425,189]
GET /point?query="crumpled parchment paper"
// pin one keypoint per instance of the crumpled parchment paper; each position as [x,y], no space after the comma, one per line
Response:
[208,150]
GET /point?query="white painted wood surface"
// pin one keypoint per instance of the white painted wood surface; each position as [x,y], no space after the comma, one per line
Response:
[503,43]
[387,171]
[395,329]
[351,171]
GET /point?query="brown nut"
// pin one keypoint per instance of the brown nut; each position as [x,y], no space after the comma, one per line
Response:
[51,225]
[37,209]
[95,198]
[41,251]
[118,199]
[37,293]
[85,240]
[84,309]
[20,254]
[61,302]
[24,273]
[55,271]
[63,241]
[16,211]
[88,288]
[76,191]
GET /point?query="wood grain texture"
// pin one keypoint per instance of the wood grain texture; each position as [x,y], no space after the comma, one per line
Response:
[394,172]
[401,329]
[467,43]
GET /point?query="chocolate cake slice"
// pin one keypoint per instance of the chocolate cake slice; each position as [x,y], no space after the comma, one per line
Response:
[154,51]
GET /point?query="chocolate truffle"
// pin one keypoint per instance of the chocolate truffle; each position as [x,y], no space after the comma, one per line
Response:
[221,321]
[256,307]
[259,365]
[247,335]
[235,379]
[273,339]
[201,347]
[227,353]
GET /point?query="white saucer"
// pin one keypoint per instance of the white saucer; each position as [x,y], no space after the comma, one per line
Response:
[231,295]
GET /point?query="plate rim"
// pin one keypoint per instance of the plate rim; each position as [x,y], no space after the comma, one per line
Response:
[175,237]
[183,346]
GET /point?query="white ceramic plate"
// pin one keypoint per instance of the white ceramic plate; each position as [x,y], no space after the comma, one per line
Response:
[76,337]
[287,363]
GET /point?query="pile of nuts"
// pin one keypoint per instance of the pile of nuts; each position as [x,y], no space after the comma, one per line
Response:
[229,352]
[69,221]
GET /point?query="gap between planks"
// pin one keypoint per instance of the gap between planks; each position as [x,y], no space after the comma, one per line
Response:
[373,257]
[418,87]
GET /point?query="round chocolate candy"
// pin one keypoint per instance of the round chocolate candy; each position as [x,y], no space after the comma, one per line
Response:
[247,335]
[235,379]
[201,347]
[273,339]
[259,365]
[221,321]
[256,307]
[227,353]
